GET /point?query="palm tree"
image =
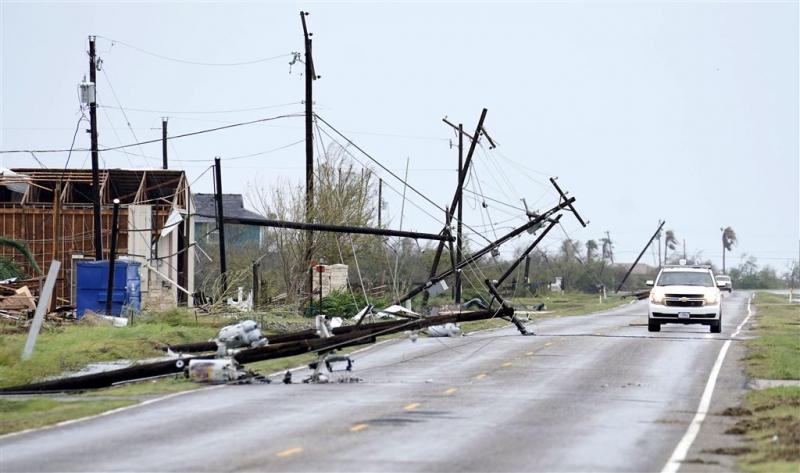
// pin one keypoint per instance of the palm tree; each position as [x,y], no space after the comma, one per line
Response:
[7,267]
[591,250]
[670,243]
[607,249]
[728,240]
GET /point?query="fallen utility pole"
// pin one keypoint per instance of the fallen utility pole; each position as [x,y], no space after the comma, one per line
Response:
[486,250]
[355,335]
[334,228]
[630,270]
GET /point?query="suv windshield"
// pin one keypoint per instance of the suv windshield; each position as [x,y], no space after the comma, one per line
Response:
[685,278]
[723,278]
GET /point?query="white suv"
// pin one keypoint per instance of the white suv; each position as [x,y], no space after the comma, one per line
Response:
[685,295]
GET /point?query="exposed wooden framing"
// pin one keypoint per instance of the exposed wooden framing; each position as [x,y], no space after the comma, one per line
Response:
[141,193]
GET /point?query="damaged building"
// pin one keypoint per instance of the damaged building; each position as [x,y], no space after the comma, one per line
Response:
[50,210]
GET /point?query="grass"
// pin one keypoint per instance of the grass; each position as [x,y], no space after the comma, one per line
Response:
[772,416]
[772,426]
[775,354]
[24,414]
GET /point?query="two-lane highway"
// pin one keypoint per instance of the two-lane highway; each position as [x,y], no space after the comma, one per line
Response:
[588,393]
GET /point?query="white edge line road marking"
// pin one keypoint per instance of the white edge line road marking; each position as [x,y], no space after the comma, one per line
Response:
[682,449]
[107,413]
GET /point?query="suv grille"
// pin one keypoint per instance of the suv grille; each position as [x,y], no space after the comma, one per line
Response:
[684,300]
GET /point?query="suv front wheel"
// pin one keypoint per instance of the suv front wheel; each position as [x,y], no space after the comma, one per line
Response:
[716,326]
[653,326]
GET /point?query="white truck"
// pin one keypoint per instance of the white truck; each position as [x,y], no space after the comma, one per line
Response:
[685,295]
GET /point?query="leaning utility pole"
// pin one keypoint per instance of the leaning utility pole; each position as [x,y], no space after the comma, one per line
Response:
[98,225]
[165,163]
[310,76]
[649,242]
[223,267]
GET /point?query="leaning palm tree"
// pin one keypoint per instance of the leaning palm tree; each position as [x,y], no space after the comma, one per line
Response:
[7,267]
[670,243]
[728,240]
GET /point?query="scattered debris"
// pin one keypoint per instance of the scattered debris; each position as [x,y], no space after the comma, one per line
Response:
[736,412]
[735,451]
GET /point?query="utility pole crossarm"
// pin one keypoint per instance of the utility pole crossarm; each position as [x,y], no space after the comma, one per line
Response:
[564,196]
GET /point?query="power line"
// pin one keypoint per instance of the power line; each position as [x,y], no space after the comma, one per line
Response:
[158,140]
[194,63]
[204,112]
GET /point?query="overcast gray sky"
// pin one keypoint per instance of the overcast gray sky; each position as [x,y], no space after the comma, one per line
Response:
[683,111]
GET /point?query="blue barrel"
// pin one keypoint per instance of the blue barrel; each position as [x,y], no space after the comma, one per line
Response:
[92,287]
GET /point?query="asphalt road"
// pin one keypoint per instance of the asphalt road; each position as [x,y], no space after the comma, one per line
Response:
[588,393]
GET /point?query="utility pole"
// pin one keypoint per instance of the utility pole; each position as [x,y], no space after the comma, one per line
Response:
[310,76]
[459,227]
[684,248]
[223,267]
[165,164]
[380,200]
[98,225]
[112,256]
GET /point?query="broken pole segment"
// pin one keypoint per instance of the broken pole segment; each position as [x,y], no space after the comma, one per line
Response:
[44,303]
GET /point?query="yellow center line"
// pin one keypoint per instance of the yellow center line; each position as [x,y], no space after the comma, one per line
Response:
[289,452]
[506,364]
[548,344]
[530,353]
[451,391]
[480,376]
[358,427]
[412,406]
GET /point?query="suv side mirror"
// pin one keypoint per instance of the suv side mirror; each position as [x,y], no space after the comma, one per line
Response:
[649,283]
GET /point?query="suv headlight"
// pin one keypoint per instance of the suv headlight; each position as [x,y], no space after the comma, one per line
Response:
[712,298]
[657,298]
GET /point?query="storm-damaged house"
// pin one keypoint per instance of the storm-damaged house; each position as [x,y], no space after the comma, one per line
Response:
[51,211]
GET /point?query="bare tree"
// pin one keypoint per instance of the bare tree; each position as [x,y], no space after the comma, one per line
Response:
[344,195]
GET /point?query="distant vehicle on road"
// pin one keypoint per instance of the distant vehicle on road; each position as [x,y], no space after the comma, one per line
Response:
[685,295]
[726,281]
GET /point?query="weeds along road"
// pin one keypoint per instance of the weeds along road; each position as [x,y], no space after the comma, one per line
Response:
[590,393]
